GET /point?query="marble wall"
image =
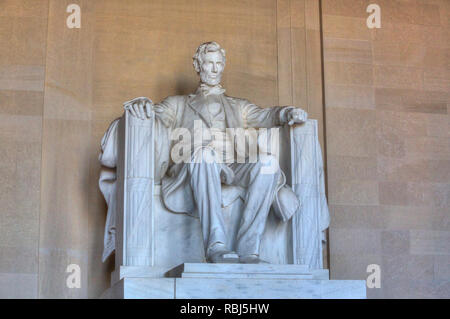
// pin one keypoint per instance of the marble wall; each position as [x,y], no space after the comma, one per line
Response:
[388,153]
[23,35]
[386,115]
[60,88]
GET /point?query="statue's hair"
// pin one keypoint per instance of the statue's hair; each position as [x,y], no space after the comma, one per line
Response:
[202,50]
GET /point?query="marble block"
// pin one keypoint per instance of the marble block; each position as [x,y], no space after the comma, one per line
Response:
[272,271]
[193,270]
[244,268]
[235,288]
[232,281]
[138,272]
[257,288]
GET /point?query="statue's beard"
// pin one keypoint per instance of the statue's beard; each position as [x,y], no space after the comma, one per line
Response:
[211,81]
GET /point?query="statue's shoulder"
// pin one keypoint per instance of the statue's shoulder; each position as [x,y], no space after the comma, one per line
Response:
[236,100]
[175,100]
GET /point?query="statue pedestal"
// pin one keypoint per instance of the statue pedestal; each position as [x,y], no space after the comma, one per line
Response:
[232,281]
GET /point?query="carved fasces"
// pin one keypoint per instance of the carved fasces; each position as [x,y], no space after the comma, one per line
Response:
[136,176]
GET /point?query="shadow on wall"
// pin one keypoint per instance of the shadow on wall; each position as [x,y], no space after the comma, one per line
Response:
[184,85]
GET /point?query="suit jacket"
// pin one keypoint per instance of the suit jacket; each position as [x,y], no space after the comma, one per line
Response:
[239,113]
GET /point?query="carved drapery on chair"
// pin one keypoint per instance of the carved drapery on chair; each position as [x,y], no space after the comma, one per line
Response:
[308,183]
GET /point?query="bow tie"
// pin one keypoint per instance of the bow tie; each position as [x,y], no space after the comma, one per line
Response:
[210,90]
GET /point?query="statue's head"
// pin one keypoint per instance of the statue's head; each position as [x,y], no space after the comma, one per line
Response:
[209,62]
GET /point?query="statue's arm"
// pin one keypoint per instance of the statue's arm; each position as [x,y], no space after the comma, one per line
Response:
[256,116]
[165,111]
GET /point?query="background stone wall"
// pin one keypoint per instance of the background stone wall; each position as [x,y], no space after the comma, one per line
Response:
[387,137]
[23,38]
[386,114]
[60,88]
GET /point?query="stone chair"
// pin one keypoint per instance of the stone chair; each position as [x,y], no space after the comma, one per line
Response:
[149,240]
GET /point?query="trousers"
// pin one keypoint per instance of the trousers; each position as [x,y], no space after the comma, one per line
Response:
[260,181]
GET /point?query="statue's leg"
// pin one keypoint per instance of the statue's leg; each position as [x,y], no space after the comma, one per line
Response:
[261,187]
[206,189]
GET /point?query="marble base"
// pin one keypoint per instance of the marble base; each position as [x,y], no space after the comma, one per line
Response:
[233,281]
[237,271]
[139,272]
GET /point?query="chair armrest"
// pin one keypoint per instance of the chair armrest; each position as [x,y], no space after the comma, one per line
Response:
[135,187]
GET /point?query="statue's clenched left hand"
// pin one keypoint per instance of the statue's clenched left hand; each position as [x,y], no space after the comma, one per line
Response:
[295,115]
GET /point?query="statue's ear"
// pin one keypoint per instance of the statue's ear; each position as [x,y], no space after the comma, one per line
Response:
[196,66]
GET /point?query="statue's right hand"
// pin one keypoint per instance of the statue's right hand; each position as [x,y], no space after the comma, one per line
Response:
[140,107]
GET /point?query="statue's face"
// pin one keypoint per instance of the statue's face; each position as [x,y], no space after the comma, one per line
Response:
[212,68]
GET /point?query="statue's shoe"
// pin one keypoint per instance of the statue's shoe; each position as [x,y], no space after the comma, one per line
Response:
[223,257]
[251,259]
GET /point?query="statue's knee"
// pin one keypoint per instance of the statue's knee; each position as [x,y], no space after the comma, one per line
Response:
[270,162]
[267,165]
